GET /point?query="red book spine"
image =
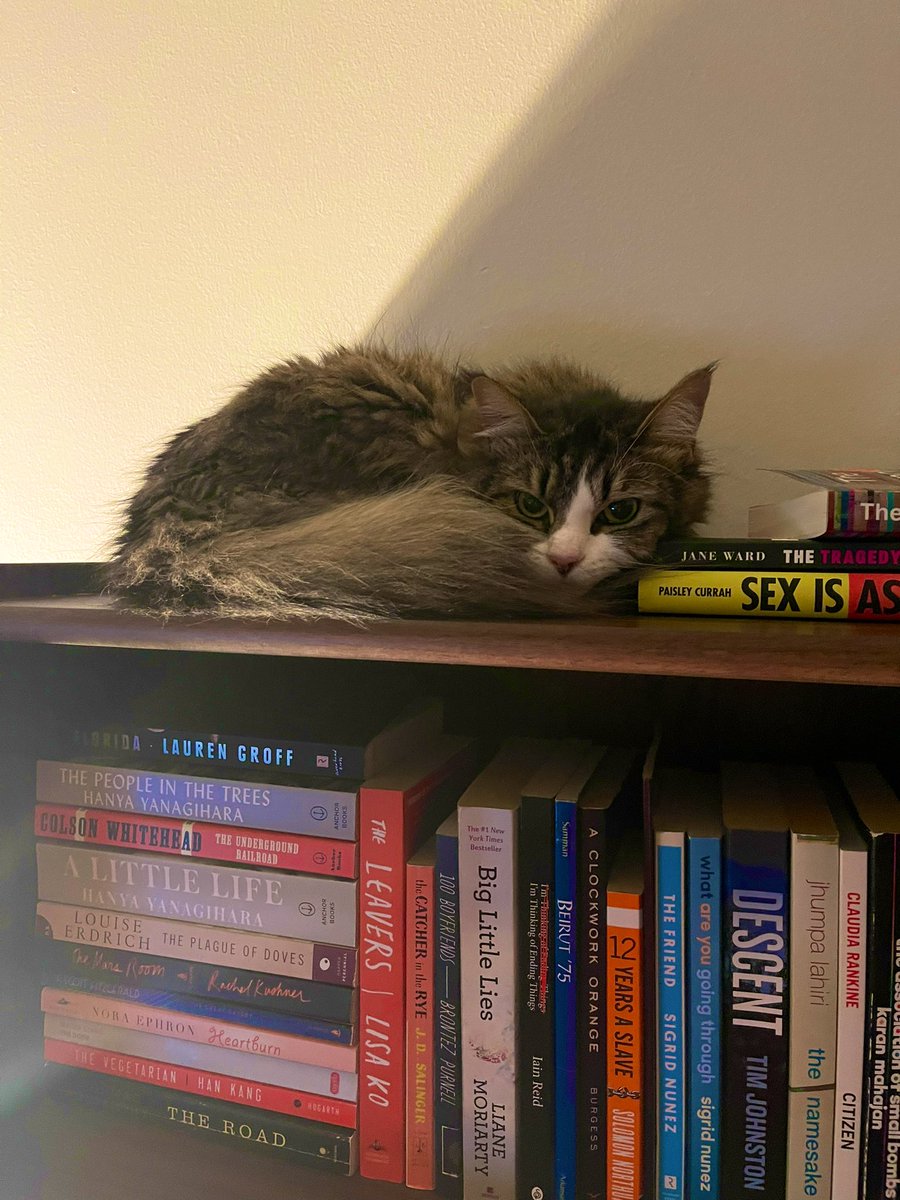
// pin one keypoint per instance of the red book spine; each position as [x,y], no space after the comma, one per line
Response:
[203,1083]
[420,1149]
[194,839]
[382,934]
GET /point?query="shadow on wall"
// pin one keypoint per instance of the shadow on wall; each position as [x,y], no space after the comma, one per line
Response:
[708,179]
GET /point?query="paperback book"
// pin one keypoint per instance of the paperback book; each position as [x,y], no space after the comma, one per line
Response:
[848,503]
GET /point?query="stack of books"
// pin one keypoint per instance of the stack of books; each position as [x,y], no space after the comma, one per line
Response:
[199,899]
[833,553]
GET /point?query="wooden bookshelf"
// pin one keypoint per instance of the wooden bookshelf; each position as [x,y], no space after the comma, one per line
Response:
[752,687]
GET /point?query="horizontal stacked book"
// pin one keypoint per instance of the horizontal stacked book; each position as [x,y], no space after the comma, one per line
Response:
[832,554]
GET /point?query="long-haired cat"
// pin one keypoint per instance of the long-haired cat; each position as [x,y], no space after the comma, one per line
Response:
[373,483]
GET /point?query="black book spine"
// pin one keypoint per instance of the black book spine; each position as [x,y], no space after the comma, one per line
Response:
[126,972]
[537,1090]
[746,554]
[590,1026]
[882,969]
[448,1022]
[324,1147]
[755,1037]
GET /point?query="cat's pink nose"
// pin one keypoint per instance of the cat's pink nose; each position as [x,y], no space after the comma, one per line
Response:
[564,560]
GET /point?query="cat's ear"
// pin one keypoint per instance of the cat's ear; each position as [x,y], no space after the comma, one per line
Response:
[676,417]
[499,412]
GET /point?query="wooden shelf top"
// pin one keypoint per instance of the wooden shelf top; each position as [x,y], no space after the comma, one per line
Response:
[718,648]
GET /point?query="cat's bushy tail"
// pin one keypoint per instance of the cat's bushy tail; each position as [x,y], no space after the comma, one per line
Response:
[432,548]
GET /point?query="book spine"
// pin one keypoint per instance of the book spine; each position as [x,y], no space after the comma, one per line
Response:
[863,511]
[670,989]
[178,748]
[128,971]
[590,1076]
[704,960]
[488,951]
[624,1048]
[535,1007]
[815,884]
[849,597]
[207,1031]
[382,926]
[290,1101]
[311,1143]
[420,1157]
[287,905]
[317,812]
[810,1136]
[220,843]
[166,1044]
[851,1022]
[747,554]
[448,1031]
[755,1015]
[565,995]
[99,930]
[882,952]
[335,1033]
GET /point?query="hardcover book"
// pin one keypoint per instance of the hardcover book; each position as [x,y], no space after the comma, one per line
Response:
[97,929]
[310,1143]
[853,908]
[127,969]
[289,1101]
[325,808]
[367,746]
[768,556]
[860,596]
[755,1018]
[488,835]
[291,906]
[849,503]
[448,1001]
[625,1023]
[878,809]
[187,839]
[398,810]
[420,1024]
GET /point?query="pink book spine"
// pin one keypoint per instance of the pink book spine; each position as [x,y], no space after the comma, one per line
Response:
[84,1006]
[202,1083]
[382,866]
[420,1149]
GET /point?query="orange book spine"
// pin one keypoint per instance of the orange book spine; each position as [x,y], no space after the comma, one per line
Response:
[625,1047]
[420,1147]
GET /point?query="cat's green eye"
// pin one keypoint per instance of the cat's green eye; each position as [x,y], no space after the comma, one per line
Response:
[620,512]
[531,507]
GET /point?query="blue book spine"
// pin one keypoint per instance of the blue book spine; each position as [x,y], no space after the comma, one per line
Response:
[670,1015]
[705,1022]
[565,995]
[448,1026]
[234,1014]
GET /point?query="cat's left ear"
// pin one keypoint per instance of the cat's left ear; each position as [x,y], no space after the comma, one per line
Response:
[676,417]
[500,413]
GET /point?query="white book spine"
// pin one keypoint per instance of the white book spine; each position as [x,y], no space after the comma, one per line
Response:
[488,912]
[810,1128]
[338,1085]
[815,885]
[851,1022]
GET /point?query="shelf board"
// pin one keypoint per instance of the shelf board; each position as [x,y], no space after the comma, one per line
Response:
[716,648]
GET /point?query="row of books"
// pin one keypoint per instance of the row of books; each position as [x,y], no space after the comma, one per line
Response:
[832,554]
[601,975]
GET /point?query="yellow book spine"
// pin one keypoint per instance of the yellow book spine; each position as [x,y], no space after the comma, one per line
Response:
[741,593]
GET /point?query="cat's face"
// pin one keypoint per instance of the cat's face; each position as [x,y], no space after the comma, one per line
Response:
[598,478]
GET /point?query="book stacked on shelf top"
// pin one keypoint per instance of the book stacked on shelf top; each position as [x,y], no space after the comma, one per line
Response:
[202,930]
[832,554]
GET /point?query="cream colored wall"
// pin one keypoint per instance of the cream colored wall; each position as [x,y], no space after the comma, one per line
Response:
[191,191]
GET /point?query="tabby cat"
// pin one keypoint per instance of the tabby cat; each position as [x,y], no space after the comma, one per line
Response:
[374,483]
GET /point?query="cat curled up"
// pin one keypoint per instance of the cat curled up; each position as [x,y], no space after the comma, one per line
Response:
[373,483]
